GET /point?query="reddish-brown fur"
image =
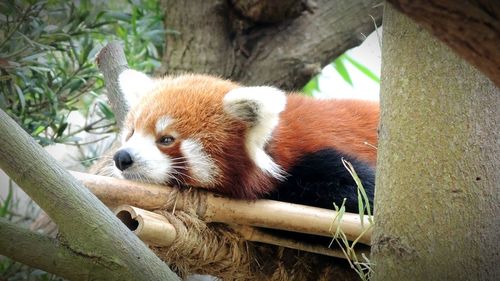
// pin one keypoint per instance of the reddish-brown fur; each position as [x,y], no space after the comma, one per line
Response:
[306,125]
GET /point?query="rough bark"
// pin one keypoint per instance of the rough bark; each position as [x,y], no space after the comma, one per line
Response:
[437,198]
[40,251]
[470,28]
[111,62]
[265,11]
[87,226]
[218,38]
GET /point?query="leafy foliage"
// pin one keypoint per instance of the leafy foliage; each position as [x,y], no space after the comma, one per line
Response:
[360,67]
[46,61]
[340,66]
[311,86]
[48,76]
[361,265]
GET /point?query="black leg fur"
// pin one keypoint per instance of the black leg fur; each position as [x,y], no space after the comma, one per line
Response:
[320,179]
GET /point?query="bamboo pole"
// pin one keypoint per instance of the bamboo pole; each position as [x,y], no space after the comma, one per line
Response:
[155,229]
[212,208]
[150,227]
[284,216]
[255,235]
[115,192]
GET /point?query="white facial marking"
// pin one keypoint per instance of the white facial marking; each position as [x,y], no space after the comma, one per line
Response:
[260,107]
[162,123]
[134,84]
[203,168]
[150,164]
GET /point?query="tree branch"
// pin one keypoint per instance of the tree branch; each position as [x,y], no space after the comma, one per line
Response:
[117,253]
[111,62]
[214,37]
[292,56]
[42,252]
[265,11]
[470,28]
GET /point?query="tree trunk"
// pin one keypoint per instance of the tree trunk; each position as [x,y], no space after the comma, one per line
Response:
[470,28]
[257,43]
[437,199]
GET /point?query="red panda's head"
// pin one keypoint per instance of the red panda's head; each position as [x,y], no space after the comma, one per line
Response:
[197,130]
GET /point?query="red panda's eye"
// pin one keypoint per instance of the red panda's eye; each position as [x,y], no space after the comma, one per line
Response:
[166,140]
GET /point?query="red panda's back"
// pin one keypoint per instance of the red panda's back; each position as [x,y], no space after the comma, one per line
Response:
[308,125]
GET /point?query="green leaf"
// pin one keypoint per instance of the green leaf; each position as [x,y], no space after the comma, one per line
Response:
[363,201]
[40,69]
[311,87]
[20,95]
[119,16]
[154,34]
[104,108]
[363,69]
[5,205]
[342,70]
[338,218]
[38,130]
[61,129]
[87,47]
[74,85]
[121,32]
[134,20]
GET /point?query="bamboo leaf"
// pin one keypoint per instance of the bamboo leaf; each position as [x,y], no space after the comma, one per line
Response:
[363,69]
[311,87]
[342,70]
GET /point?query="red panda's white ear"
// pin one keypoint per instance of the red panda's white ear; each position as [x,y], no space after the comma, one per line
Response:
[134,85]
[259,107]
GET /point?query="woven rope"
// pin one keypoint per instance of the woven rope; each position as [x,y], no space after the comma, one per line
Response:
[216,250]
[206,249]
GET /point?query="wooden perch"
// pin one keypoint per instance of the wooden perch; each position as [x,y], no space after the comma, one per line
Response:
[213,208]
[156,230]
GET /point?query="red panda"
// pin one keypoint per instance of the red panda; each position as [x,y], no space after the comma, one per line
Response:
[246,142]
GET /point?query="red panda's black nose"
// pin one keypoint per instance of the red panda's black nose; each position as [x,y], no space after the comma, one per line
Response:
[122,159]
